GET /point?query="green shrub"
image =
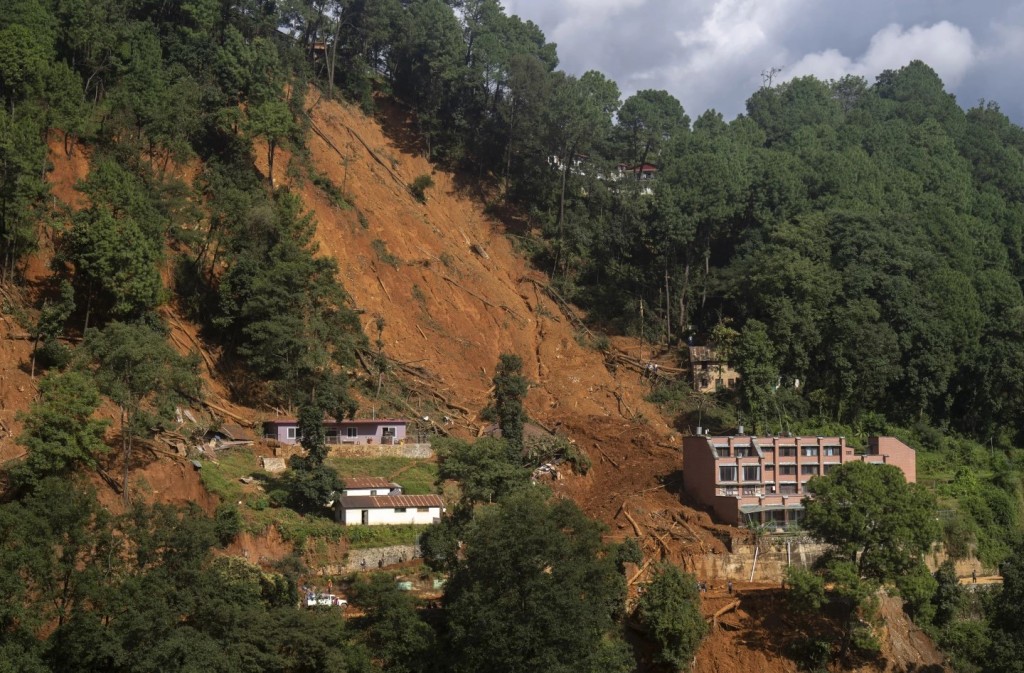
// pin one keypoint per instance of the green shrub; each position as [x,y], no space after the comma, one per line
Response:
[381,248]
[419,186]
[227,523]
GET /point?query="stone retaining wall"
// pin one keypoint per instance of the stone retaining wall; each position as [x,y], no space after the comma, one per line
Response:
[772,560]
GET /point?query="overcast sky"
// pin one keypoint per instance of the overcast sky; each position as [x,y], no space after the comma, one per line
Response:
[711,53]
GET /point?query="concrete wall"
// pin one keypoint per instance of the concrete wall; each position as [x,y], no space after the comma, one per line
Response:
[374,557]
[387,516]
[772,561]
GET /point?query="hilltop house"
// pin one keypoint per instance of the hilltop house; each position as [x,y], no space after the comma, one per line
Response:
[747,479]
[377,510]
[709,370]
[353,431]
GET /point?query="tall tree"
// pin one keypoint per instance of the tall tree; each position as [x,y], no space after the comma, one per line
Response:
[670,610]
[509,392]
[873,517]
[137,369]
[648,121]
[115,266]
[59,431]
[536,591]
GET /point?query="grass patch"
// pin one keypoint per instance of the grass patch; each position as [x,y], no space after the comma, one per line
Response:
[383,254]
[222,478]
[363,537]
[330,190]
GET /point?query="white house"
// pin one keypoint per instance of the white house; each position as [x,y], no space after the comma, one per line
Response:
[370,486]
[382,510]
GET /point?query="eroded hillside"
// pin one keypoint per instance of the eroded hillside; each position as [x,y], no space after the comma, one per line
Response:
[453,295]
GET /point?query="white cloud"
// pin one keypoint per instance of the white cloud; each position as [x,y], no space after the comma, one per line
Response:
[949,49]
[710,53]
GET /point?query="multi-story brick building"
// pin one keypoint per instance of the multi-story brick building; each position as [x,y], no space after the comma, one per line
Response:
[748,479]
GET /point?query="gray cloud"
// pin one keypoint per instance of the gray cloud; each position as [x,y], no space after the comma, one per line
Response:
[710,53]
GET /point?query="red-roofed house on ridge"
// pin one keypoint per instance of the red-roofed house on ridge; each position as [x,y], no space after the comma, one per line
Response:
[762,480]
[352,431]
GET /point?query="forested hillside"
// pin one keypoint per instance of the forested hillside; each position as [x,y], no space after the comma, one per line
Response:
[855,248]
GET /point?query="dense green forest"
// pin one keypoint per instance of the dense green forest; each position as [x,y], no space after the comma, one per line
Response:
[856,248]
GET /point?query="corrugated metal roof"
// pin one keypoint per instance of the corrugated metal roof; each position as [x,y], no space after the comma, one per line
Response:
[369,482]
[390,501]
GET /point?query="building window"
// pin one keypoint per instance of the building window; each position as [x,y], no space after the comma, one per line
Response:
[422,509]
[833,451]
[808,469]
[722,451]
[788,489]
[351,432]
[293,433]
[743,451]
[399,510]
[787,470]
[769,467]
[727,473]
[769,488]
[729,490]
[787,451]
[830,467]
[750,490]
[751,473]
[810,451]
[387,431]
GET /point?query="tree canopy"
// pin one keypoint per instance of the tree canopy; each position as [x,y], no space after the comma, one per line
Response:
[873,517]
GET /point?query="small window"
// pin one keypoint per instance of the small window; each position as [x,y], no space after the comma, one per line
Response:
[293,433]
[788,489]
[769,488]
[742,451]
[387,431]
[722,451]
[808,469]
[727,473]
[351,432]
[751,473]
[787,469]
[422,509]
[750,490]
[810,451]
[399,510]
[830,467]
[769,467]
[787,451]
[833,451]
